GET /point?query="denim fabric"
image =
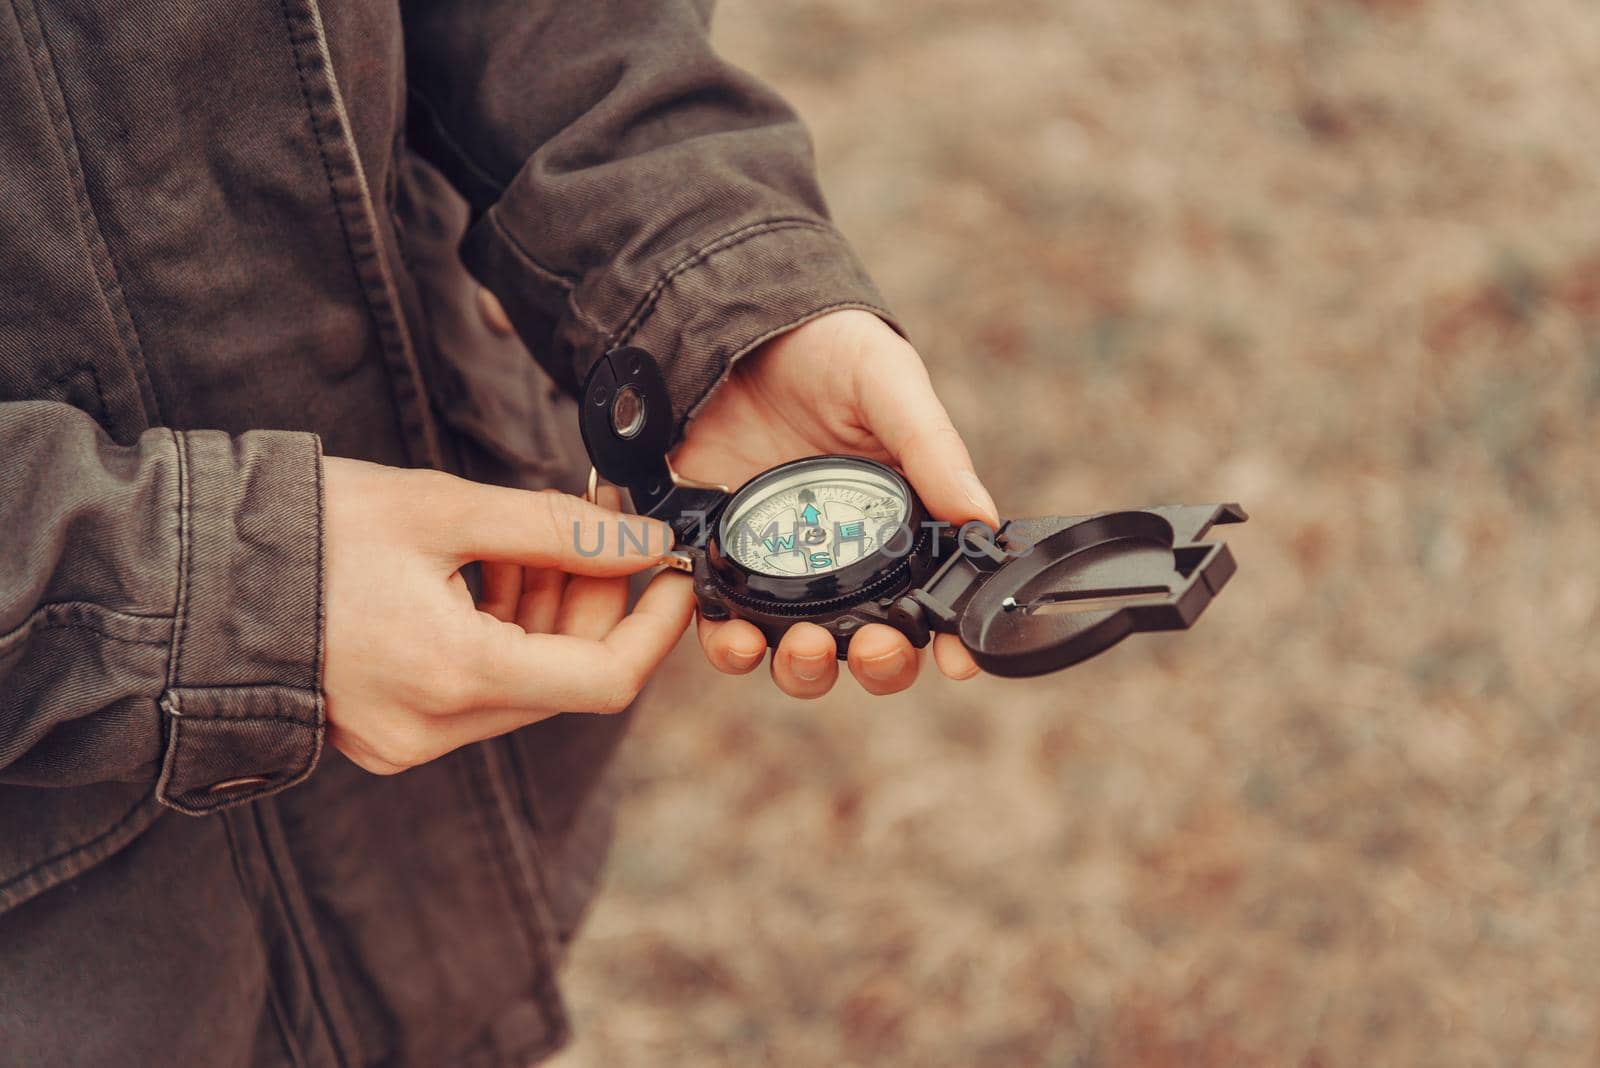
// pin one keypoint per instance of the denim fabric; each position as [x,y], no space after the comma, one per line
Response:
[234,237]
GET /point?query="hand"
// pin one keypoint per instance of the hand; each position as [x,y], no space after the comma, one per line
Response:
[844,382]
[414,669]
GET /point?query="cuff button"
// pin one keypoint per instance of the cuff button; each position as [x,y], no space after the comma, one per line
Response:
[233,786]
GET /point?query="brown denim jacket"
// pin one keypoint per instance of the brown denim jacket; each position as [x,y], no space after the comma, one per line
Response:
[234,235]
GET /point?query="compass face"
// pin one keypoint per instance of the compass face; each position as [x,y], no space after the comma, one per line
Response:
[813,517]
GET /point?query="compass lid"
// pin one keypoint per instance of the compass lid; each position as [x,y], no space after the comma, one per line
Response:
[627,425]
[1050,592]
[625,415]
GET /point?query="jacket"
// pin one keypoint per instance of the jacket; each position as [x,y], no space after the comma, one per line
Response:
[234,238]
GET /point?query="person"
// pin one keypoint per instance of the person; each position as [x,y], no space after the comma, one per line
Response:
[270,435]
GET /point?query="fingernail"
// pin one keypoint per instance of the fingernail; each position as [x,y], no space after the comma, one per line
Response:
[744,658]
[809,668]
[884,668]
[982,503]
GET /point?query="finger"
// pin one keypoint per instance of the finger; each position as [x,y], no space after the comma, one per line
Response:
[806,664]
[468,521]
[882,659]
[560,672]
[954,661]
[591,606]
[502,586]
[901,409]
[733,646]
[542,590]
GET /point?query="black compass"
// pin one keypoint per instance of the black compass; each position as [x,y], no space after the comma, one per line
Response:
[843,541]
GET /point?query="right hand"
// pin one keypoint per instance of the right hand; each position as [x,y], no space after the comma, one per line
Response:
[415,669]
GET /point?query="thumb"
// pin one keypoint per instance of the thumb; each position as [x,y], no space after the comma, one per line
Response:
[545,530]
[902,410]
[940,469]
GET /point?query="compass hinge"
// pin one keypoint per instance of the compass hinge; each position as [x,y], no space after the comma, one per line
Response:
[936,605]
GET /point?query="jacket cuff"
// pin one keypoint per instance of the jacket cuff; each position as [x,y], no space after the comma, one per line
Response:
[243,703]
[702,311]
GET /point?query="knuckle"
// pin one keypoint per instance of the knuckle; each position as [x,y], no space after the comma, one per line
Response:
[941,435]
[558,516]
[561,508]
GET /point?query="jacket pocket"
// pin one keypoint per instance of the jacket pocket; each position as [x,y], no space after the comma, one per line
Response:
[484,384]
[47,836]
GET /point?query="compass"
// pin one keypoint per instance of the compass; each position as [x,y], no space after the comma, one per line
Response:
[843,541]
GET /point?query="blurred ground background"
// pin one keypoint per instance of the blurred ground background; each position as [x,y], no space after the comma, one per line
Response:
[1339,261]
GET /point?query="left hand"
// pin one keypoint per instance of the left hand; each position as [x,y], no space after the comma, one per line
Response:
[844,382]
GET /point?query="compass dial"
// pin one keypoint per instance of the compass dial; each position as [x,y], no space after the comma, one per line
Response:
[814,517]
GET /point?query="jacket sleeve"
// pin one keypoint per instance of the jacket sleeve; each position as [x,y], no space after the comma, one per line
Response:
[160,608]
[628,185]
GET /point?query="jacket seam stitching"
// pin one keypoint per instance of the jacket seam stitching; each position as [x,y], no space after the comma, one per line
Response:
[734,238]
[64,854]
[280,1018]
[302,943]
[165,794]
[409,408]
[108,275]
[320,579]
[30,627]
[760,339]
[525,890]
[548,274]
[191,717]
[29,624]
[180,610]
[173,705]
[561,281]
[295,777]
[322,151]
[116,612]
[96,606]
[205,687]
[316,135]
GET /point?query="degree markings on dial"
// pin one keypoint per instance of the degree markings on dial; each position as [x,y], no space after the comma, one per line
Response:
[814,527]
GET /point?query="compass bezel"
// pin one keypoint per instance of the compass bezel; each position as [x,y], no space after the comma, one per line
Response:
[874,575]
